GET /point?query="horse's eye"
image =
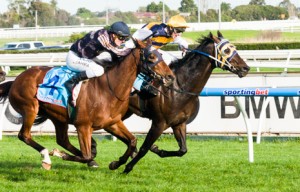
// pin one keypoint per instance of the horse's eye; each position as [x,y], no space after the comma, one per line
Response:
[152,57]
[227,51]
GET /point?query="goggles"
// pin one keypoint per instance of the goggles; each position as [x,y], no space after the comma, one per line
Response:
[179,29]
[122,38]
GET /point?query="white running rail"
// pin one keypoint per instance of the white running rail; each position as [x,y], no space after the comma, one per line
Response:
[254,58]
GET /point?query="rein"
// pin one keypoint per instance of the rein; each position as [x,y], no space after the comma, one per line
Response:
[184,92]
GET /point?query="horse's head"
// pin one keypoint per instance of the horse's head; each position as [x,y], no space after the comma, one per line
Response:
[154,65]
[228,57]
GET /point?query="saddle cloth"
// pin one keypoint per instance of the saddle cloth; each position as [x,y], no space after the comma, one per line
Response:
[53,91]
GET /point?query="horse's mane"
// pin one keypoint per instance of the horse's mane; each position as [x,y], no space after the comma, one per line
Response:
[116,60]
[203,41]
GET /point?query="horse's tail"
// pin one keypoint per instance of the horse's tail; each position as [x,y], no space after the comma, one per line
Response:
[4,90]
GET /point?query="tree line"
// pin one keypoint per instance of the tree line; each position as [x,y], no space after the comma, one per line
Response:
[25,12]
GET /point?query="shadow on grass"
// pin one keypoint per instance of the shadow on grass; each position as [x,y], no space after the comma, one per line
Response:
[21,171]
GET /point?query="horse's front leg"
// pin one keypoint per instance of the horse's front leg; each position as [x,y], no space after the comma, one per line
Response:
[180,136]
[153,134]
[121,132]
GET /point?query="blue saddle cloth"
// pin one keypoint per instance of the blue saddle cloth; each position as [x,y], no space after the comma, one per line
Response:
[52,90]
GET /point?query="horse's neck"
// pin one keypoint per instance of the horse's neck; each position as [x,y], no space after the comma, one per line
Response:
[122,76]
[194,73]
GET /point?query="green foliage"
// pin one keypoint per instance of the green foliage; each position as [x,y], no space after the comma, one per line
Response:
[76,36]
[153,7]
[127,17]
[23,13]
[268,46]
[257,2]
[188,6]
[84,13]
[256,12]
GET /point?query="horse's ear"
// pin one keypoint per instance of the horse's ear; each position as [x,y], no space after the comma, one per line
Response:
[214,38]
[220,35]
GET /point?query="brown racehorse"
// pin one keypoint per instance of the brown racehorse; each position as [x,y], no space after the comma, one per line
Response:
[101,104]
[177,106]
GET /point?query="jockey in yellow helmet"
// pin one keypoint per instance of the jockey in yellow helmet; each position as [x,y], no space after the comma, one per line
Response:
[161,34]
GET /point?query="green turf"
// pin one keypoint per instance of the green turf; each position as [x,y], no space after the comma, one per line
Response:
[209,165]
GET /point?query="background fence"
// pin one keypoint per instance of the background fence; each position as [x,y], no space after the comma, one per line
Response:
[64,31]
[258,59]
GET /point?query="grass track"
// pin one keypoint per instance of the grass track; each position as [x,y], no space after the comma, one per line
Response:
[209,165]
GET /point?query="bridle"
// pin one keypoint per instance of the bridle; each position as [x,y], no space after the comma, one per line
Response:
[222,59]
[146,66]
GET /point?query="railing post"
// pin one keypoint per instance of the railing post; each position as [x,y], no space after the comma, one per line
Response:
[2,118]
[249,130]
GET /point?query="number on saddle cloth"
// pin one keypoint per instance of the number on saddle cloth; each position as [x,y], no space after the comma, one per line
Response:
[52,90]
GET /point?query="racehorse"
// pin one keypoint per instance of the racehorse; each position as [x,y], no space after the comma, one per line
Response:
[101,104]
[177,106]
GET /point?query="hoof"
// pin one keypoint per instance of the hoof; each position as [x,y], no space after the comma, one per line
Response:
[154,148]
[127,170]
[93,164]
[114,165]
[56,153]
[46,166]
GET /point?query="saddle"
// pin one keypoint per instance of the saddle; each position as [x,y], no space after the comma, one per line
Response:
[52,90]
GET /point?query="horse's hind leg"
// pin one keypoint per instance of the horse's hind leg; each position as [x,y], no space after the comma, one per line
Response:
[180,136]
[25,136]
[152,136]
[121,132]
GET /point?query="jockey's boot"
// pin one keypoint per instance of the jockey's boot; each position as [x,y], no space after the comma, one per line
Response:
[150,89]
[70,84]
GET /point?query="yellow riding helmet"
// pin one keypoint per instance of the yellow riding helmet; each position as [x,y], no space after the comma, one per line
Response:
[177,21]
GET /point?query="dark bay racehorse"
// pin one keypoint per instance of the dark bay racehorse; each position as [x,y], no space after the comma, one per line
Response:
[175,107]
[101,104]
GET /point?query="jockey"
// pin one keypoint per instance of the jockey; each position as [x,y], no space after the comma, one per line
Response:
[88,53]
[160,34]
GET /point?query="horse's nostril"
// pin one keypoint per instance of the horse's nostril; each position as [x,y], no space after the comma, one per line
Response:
[246,68]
